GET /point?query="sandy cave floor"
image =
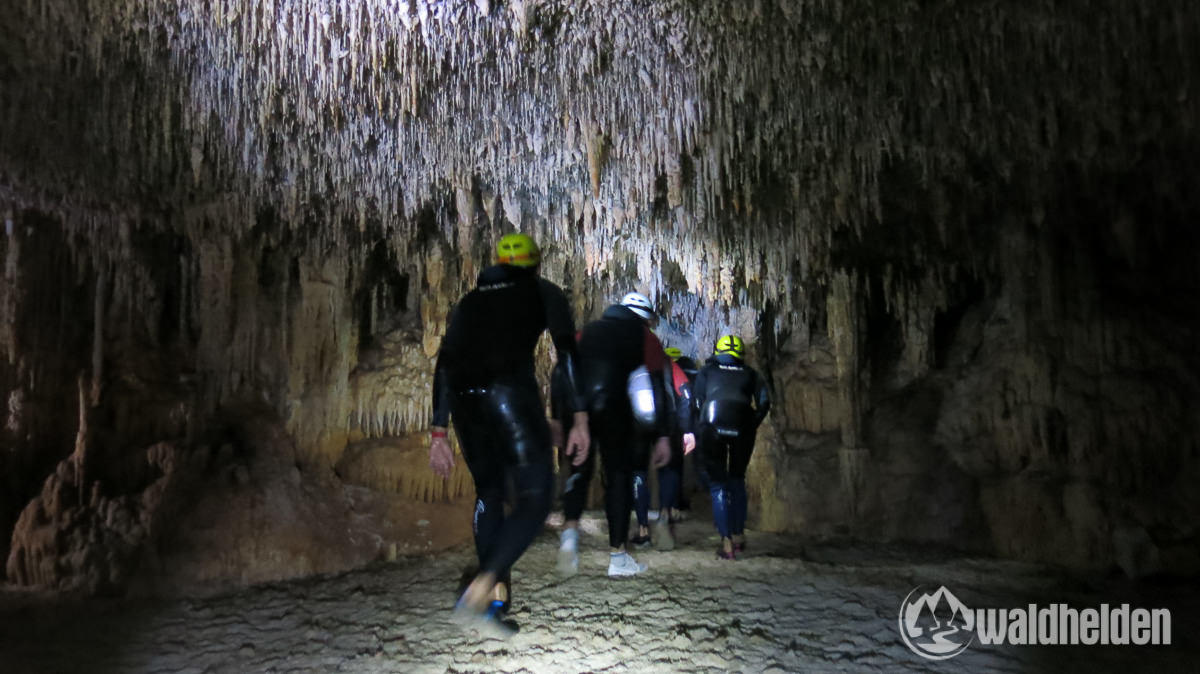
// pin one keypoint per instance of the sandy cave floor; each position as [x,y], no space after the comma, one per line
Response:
[785,606]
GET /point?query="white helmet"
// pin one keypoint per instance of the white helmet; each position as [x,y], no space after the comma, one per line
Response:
[638,304]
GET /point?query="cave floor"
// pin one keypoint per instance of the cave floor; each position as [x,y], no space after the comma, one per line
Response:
[785,606]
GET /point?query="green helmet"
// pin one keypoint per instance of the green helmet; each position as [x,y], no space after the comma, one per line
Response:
[673,352]
[519,250]
[732,345]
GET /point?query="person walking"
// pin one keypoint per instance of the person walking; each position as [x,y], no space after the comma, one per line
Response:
[484,380]
[730,400]
[611,349]
[683,441]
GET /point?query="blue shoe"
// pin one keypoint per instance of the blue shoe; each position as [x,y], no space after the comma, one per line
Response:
[488,623]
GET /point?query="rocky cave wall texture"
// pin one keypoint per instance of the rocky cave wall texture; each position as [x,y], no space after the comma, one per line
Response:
[958,236]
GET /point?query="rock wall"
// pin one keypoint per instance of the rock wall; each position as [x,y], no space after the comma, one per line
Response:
[959,239]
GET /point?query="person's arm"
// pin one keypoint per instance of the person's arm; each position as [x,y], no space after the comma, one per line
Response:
[695,401]
[561,326]
[557,408]
[655,362]
[562,332]
[683,398]
[669,387]
[684,411]
[699,389]
[762,399]
[441,456]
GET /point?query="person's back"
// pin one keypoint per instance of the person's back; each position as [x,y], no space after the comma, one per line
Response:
[496,326]
[729,389]
[729,402]
[610,349]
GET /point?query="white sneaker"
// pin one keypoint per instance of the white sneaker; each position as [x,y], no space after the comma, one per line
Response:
[568,552]
[623,564]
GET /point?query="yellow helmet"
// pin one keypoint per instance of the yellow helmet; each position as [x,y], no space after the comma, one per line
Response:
[673,352]
[732,345]
[519,250]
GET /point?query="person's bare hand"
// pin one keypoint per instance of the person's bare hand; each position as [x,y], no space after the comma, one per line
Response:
[578,440]
[689,442]
[662,452]
[441,456]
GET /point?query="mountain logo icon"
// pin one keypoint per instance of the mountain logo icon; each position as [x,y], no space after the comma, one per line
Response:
[936,625]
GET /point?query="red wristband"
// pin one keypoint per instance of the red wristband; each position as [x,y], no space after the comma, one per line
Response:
[437,434]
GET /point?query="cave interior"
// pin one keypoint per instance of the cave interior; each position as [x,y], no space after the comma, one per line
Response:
[957,237]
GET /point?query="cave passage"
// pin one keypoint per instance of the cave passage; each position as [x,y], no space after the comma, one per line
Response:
[958,240]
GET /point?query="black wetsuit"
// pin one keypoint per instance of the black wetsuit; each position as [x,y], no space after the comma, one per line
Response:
[579,478]
[485,379]
[678,397]
[688,464]
[670,476]
[729,402]
[610,349]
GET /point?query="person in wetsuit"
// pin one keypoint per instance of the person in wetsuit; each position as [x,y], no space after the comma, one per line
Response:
[484,380]
[579,478]
[683,441]
[729,402]
[682,500]
[677,399]
[610,349]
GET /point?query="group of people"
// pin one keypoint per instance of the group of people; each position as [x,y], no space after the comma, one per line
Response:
[615,391]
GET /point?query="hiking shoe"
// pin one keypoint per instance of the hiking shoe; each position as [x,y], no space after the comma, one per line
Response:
[623,564]
[568,552]
[488,620]
[664,539]
[640,542]
[728,556]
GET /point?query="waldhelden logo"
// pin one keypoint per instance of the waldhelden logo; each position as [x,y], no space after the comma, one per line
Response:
[934,635]
[938,626]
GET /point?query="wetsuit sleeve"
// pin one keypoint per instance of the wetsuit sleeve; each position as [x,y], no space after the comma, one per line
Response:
[685,407]
[678,378]
[441,372]
[655,361]
[558,391]
[762,399]
[669,399]
[562,333]
[699,384]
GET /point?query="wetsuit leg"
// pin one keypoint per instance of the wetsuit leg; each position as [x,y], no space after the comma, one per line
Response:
[715,457]
[641,497]
[508,430]
[485,460]
[575,491]
[612,432]
[669,476]
[739,459]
